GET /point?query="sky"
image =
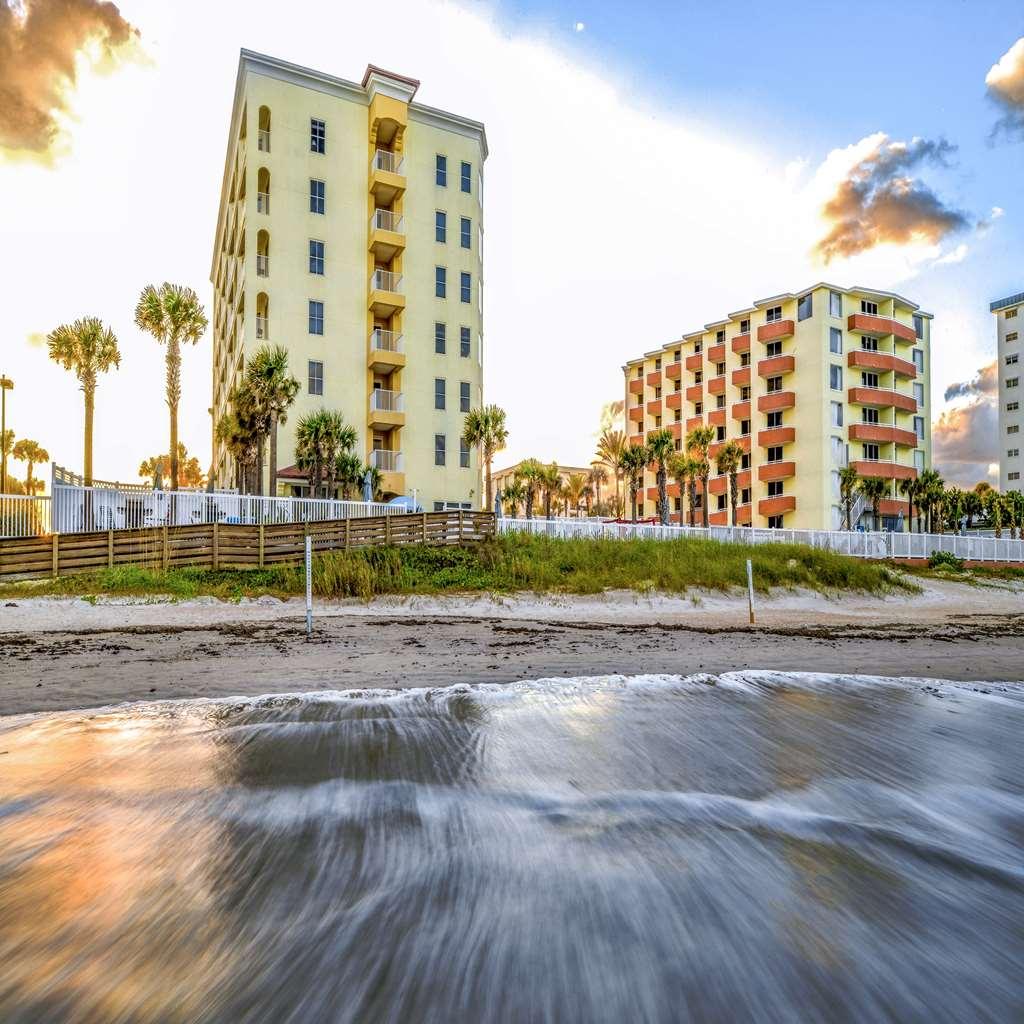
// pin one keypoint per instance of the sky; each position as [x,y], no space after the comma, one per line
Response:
[653,166]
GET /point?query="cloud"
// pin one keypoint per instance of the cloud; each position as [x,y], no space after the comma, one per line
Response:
[1005,82]
[579,27]
[962,437]
[879,202]
[41,42]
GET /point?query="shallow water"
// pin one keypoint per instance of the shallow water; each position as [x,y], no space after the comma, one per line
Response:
[755,846]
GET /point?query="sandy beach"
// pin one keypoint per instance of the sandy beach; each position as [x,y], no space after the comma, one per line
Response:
[60,654]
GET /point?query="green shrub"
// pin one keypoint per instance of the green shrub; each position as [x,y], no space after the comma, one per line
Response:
[945,560]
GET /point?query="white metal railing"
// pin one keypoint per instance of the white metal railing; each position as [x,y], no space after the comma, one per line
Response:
[263,202]
[84,509]
[263,140]
[385,160]
[385,341]
[387,401]
[386,281]
[386,220]
[262,266]
[24,515]
[844,542]
[386,461]
[262,333]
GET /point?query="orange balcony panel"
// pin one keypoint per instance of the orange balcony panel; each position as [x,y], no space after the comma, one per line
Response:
[776,400]
[714,449]
[652,494]
[776,506]
[677,430]
[718,484]
[719,518]
[743,515]
[716,386]
[879,433]
[776,471]
[654,378]
[694,362]
[695,392]
[772,332]
[776,365]
[891,507]
[741,343]
[741,411]
[743,479]
[881,361]
[654,407]
[636,440]
[636,387]
[716,354]
[694,422]
[879,326]
[776,436]
[716,418]
[674,371]
[741,377]
[636,414]
[887,470]
[674,401]
[883,398]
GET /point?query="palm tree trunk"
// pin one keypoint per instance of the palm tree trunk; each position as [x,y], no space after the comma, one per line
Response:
[174,445]
[490,493]
[662,498]
[733,489]
[90,400]
[272,482]
[704,501]
[259,465]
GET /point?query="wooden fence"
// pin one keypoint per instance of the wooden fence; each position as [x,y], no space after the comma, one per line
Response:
[222,546]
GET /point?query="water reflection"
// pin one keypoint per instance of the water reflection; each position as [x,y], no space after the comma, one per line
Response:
[749,847]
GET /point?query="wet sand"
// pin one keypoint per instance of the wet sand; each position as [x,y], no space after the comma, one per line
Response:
[59,655]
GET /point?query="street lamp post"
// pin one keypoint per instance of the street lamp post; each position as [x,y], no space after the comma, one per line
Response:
[6,384]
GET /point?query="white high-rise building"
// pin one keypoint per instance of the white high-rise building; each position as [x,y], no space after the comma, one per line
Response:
[1009,313]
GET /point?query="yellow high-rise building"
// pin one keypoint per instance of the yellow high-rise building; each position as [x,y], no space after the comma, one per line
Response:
[350,232]
[806,382]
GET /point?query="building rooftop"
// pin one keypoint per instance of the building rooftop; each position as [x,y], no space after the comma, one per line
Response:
[1010,300]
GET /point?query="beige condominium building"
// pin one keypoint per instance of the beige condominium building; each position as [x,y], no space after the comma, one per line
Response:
[807,382]
[350,231]
[1009,314]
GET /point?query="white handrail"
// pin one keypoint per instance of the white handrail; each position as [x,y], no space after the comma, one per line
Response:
[387,401]
[385,341]
[386,220]
[386,461]
[385,160]
[386,281]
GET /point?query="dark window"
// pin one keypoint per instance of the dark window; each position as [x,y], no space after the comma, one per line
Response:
[744,327]
[744,427]
[441,170]
[805,306]
[466,233]
[918,326]
[467,177]
[463,454]
[317,195]
[439,449]
[464,396]
[773,384]
[772,349]
[745,461]
[464,344]
[317,136]
[316,257]
[439,392]
[440,338]
[316,317]
[465,287]
[774,419]
[440,282]
[316,377]
[773,315]
[775,522]
[719,433]
[775,453]
[775,488]
[719,338]
[440,226]
[871,308]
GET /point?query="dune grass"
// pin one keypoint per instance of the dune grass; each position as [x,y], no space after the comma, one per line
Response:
[505,565]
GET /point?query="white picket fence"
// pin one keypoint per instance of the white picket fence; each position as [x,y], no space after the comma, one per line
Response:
[22,515]
[859,545]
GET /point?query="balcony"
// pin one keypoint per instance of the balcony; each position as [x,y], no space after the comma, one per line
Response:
[262,330]
[776,471]
[674,371]
[775,365]
[887,470]
[387,461]
[387,176]
[881,361]
[262,266]
[654,407]
[654,378]
[695,392]
[880,433]
[716,354]
[882,398]
[263,141]
[743,515]
[386,351]
[263,202]
[741,377]
[878,327]
[776,400]
[636,414]
[636,440]
[635,387]
[716,418]
[741,343]
[695,362]
[775,331]
[776,506]
[674,401]
[693,422]
[716,386]
[741,411]
[720,517]
[387,234]
[718,484]
[386,293]
[775,436]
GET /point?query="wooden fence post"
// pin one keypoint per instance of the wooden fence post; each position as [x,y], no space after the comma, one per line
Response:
[424,527]
[216,545]
[166,551]
[56,554]
[348,530]
[110,549]
[459,541]
[387,529]
[261,545]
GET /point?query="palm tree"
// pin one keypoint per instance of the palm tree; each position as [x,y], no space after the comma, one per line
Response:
[6,447]
[698,441]
[309,448]
[338,437]
[190,473]
[910,488]
[728,460]
[1015,509]
[32,453]
[931,495]
[972,505]
[376,479]
[661,446]
[235,432]
[610,447]
[350,473]
[874,489]
[550,483]
[993,502]
[684,471]
[87,348]
[597,476]
[275,390]
[174,316]
[953,508]
[848,480]
[485,428]
[530,472]
[513,496]
[575,488]
[634,461]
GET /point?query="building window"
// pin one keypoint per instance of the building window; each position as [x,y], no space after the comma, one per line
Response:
[1013,428]
[919,427]
[745,496]
[698,376]
[918,356]
[744,359]
[805,306]
[439,392]
[1012,382]
[464,396]
[871,452]
[698,345]
[317,136]
[773,315]
[775,488]
[835,377]
[838,451]
[465,287]
[835,304]
[657,363]
[317,195]
[919,461]
[464,343]
[316,377]
[919,393]
[698,408]
[316,317]
[745,461]
[868,380]
[775,453]
[1011,359]
[868,415]
[1010,314]
[1012,336]
[837,413]
[744,428]
[441,170]
[835,340]
[745,393]
[918,326]
[439,449]
[719,433]
[1012,453]
[466,174]
[772,349]
[744,328]
[440,282]
[466,233]
[1013,476]
[775,523]
[440,338]
[440,226]
[1012,406]
[868,344]
[871,308]
[773,384]
[677,356]
[723,502]
[463,454]
[719,401]
[316,257]
[773,419]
